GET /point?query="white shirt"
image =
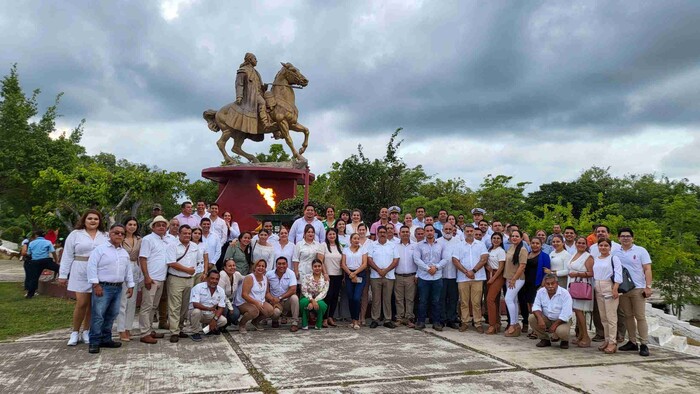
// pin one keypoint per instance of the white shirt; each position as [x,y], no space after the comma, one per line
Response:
[495,257]
[212,245]
[571,249]
[189,259]
[153,248]
[200,217]
[383,255]
[469,256]
[266,253]
[171,239]
[603,268]
[235,231]
[634,260]
[595,252]
[108,263]
[354,259]
[560,262]
[296,233]
[279,286]
[286,251]
[559,307]
[406,264]
[78,244]
[304,254]
[273,238]
[448,248]
[200,293]
[218,226]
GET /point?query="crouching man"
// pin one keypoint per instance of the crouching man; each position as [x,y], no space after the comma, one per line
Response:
[551,313]
[107,269]
[207,303]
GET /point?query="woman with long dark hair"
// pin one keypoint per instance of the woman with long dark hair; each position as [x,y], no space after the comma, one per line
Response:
[537,262]
[581,269]
[330,255]
[88,234]
[514,274]
[127,308]
[240,251]
[495,267]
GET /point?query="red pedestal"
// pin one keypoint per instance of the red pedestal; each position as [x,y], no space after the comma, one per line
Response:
[238,192]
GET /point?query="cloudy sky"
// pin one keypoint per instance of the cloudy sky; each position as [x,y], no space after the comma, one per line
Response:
[539,90]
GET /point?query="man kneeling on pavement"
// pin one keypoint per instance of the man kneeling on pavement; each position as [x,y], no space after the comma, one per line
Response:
[207,303]
[551,313]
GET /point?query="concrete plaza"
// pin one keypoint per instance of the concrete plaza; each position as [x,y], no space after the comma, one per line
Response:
[339,360]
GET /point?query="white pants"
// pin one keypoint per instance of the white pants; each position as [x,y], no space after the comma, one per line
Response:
[512,300]
[127,308]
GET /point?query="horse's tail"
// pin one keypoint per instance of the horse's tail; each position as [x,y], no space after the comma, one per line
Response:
[210,116]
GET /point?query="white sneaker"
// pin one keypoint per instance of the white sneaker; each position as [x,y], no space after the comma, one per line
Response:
[86,337]
[74,336]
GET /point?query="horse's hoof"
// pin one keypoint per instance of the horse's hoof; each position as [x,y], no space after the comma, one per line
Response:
[302,150]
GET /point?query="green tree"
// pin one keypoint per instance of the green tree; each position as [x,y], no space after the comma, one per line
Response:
[501,200]
[202,190]
[276,154]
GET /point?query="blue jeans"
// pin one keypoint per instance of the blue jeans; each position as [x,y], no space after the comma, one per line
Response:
[429,291]
[449,296]
[354,291]
[103,312]
[232,316]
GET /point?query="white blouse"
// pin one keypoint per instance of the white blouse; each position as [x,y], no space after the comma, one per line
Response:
[354,259]
[78,244]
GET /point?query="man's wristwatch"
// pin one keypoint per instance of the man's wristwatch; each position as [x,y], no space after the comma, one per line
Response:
[473,272]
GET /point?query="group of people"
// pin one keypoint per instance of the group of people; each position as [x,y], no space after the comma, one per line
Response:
[198,274]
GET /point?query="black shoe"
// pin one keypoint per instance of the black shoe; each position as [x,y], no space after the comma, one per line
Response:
[216,332]
[598,338]
[196,337]
[182,335]
[29,296]
[564,344]
[420,326]
[374,324]
[390,324]
[453,325]
[111,345]
[437,327]
[544,343]
[94,348]
[175,338]
[643,350]
[628,347]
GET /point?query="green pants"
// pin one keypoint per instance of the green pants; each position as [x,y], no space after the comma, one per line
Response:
[303,304]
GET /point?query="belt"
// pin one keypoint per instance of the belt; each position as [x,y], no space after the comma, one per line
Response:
[115,284]
[181,277]
[81,258]
[413,274]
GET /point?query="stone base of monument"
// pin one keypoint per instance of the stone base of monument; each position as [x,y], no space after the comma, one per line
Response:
[239,193]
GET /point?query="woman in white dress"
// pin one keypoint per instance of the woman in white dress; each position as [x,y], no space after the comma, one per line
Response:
[79,244]
[559,260]
[581,269]
[264,250]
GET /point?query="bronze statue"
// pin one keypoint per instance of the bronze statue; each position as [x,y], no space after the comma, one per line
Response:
[257,112]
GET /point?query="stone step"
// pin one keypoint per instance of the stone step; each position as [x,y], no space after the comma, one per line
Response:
[652,322]
[694,350]
[677,343]
[661,335]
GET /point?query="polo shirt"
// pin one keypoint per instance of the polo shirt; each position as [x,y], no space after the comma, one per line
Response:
[40,248]
[200,293]
[469,256]
[634,260]
[383,255]
[559,307]
[153,248]
[279,286]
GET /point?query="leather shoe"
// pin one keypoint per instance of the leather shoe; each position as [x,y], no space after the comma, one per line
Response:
[598,338]
[157,335]
[94,348]
[182,335]
[453,325]
[148,339]
[629,346]
[111,345]
[564,344]
[390,324]
[544,343]
[374,324]
[420,326]
[174,338]
[437,327]
[643,350]
[294,328]
[275,324]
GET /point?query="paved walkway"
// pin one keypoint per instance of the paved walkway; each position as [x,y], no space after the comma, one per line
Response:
[339,360]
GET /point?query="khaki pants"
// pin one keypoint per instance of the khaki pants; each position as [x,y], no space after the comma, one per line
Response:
[179,290]
[149,299]
[382,288]
[251,312]
[607,305]
[563,331]
[470,293]
[285,307]
[197,317]
[632,304]
[405,292]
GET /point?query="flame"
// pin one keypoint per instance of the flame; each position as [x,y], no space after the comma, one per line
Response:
[269,196]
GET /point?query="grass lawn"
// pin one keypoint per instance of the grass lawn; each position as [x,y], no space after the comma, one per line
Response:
[20,317]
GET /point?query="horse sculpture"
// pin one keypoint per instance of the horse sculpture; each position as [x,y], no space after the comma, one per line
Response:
[281,110]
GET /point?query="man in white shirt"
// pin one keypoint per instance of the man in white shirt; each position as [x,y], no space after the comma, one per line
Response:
[282,293]
[107,268]
[551,313]
[212,246]
[394,213]
[182,258]
[419,220]
[405,285]
[570,240]
[218,224]
[173,231]
[449,295]
[268,226]
[207,303]
[171,238]
[469,259]
[296,233]
[382,259]
[186,216]
[201,211]
[152,260]
[391,235]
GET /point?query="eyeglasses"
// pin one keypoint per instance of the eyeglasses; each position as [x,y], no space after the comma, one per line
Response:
[118,233]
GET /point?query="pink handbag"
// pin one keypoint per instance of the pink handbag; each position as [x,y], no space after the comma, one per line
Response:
[581,290]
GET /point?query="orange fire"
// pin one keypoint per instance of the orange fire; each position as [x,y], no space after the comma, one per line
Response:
[269,196]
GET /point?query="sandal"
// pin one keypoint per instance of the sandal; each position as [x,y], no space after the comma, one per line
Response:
[612,348]
[603,346]
[584,343]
